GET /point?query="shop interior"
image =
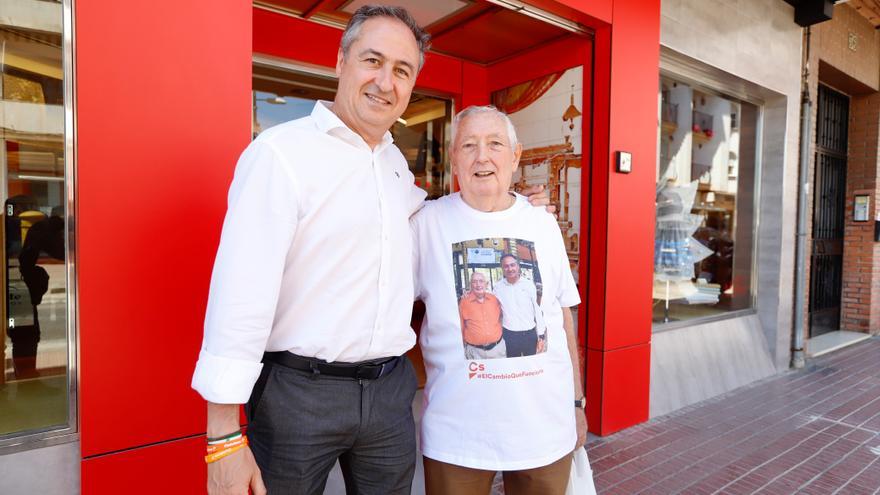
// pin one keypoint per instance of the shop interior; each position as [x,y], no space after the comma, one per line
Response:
[704,243]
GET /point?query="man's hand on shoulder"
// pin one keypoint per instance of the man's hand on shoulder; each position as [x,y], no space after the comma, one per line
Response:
[538,197]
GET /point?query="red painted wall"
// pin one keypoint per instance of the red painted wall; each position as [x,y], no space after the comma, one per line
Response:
[163,110]
[474,86]
[622,217]
[559,55]
[171,468]
[591,13]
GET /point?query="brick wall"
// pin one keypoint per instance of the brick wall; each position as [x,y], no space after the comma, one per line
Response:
[861,255]
[831,41]
[856,73]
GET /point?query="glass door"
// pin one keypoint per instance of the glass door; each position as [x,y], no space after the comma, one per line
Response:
[34,379]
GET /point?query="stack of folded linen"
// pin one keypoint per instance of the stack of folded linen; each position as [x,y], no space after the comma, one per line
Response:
[706,293]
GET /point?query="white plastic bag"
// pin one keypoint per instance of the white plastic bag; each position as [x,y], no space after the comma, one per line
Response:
[581,480]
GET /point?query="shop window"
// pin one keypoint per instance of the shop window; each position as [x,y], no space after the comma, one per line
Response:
[705,204]
[35,374]
[280,95]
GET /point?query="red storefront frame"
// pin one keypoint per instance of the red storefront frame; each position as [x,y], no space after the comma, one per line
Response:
[163,110]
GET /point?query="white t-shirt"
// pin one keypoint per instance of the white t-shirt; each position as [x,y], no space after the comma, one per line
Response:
[494,414]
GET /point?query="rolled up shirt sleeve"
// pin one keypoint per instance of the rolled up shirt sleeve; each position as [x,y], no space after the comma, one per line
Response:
[258,230]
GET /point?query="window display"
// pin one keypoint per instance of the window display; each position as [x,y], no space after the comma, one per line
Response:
[704,239]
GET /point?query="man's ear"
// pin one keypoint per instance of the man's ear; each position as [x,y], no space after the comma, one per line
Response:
[452,166]
[339,60]
[517,153]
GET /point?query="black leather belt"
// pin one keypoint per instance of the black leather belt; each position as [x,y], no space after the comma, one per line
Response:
[368,370]
[487,347]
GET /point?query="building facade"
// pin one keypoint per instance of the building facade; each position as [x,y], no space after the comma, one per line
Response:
[728,184]
[726,197]
[121,127]
[842,299]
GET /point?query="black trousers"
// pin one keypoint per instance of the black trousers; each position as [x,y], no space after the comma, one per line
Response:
[520,343]
[25,340]
[300,424]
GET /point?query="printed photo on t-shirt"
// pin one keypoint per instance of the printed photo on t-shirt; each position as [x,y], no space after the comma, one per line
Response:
[498,288]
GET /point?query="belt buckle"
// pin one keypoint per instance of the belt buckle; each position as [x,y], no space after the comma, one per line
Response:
[313,365]
[364,372]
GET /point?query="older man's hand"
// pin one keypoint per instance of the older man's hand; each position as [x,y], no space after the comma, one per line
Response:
[581,422]
[538,197]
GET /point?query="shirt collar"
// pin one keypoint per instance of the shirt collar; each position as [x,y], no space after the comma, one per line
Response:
[330,123]
[473,297]
[505,282]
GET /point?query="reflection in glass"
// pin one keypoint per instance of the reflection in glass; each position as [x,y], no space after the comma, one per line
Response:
[33,382]
[420,133]
[705,204]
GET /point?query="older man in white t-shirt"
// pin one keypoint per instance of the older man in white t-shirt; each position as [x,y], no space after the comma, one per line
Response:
[520,416]
[521,321]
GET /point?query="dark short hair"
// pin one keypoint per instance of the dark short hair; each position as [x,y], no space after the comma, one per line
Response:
[352,30]
[509,255]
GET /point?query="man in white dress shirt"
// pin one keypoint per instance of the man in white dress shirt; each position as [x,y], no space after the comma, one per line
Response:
[521,321]
[309,307]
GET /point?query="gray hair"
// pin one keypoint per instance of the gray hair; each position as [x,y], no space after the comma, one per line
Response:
[480,110]
[353,29]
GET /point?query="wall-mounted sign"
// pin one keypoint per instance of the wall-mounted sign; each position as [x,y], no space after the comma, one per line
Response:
[861,208]
[481,255]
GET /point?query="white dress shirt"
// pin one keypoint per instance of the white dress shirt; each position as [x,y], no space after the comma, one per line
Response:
[519,305]
[313,257]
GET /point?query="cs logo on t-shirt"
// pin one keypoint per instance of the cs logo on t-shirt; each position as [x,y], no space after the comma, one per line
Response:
[475,368]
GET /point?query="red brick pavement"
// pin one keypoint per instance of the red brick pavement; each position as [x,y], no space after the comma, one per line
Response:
[811,431]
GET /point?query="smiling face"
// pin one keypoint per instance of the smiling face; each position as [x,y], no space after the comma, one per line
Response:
[483,158]
[510,267]
[478,285]
[376,77]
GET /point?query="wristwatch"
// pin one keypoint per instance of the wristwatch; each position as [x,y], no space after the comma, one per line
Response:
[581,403]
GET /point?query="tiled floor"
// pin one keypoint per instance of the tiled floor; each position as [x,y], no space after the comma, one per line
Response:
[812,431]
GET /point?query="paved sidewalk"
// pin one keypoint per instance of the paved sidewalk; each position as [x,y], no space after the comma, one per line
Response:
[811,431]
